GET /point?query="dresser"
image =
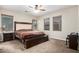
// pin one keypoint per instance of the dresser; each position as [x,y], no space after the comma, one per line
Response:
[6,36]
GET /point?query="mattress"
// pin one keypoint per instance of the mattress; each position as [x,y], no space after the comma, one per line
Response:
[28,34]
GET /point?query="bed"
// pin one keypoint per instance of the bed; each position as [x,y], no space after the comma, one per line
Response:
[27,36]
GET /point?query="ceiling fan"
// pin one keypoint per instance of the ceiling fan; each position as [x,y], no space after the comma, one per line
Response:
[36,7]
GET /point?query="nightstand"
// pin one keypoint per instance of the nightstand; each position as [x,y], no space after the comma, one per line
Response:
[8,36]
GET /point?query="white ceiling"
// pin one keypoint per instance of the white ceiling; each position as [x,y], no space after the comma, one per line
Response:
[23,8]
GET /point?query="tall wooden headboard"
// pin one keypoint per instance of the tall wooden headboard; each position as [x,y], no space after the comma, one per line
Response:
[26,25]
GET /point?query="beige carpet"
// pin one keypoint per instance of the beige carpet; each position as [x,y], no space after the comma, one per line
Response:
[51,46]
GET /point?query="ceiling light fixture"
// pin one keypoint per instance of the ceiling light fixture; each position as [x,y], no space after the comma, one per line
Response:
[36,11]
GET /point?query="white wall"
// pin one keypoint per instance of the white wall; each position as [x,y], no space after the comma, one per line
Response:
[69,22]
[18,16]
[0,18]
[78,18]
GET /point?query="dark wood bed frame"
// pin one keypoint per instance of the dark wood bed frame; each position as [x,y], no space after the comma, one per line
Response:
[32,41]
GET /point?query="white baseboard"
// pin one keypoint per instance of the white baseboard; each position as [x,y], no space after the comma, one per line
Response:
[58,39]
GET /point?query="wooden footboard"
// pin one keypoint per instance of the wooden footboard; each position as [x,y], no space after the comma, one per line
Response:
[34,41]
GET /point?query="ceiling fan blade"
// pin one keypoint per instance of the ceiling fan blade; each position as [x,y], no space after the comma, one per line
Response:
[40,5]
[42,9]
[30,6]
[26,11]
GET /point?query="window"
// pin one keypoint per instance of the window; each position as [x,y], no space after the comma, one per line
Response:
[46,24]
[57,23]
[34,24]
[7,22]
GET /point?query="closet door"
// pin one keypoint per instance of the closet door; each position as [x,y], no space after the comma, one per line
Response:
[7,22]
